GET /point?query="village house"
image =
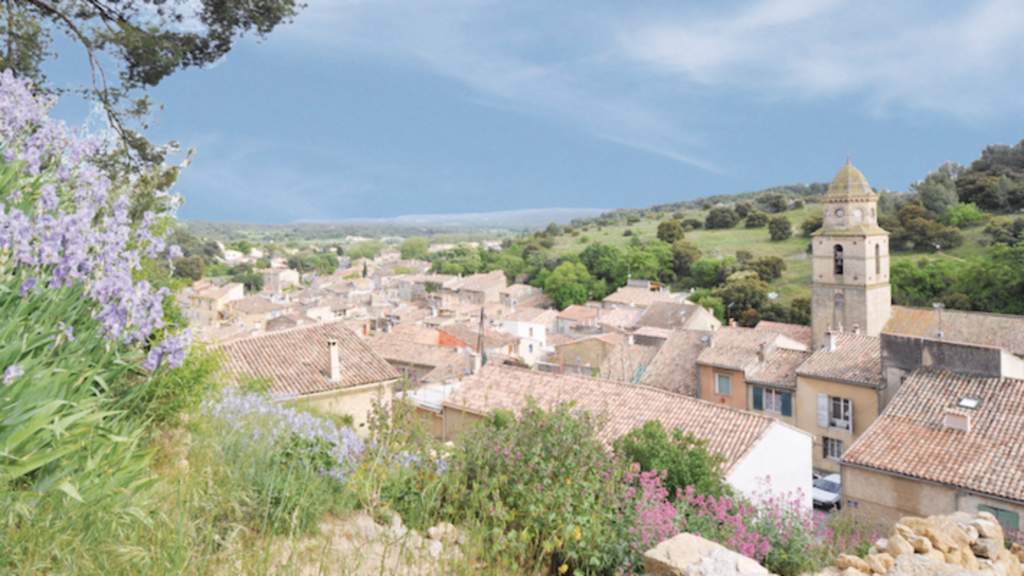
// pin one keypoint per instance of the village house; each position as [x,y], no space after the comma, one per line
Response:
[518,293]
[282,277]
[947,442]
[324,365]
[638,294]
[479,288]
[254,312]
[575,317]
[755,447]
[531,339]
[494,341]
[211,306]
[678,315]
[674,368]
[730,356]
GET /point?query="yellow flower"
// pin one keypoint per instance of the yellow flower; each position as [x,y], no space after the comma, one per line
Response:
[563,568]
[568,480]
[577,532]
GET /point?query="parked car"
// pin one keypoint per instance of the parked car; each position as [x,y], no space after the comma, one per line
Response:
[827,491]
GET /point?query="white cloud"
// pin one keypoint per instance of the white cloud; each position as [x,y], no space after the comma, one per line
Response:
[957,61]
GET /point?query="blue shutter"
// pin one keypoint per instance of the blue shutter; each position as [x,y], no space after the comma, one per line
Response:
[787,404]
[758,397]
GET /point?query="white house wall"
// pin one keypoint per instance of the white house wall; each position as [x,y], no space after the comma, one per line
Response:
[784,456]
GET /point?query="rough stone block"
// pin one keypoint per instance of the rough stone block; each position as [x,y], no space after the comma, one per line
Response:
[845,561]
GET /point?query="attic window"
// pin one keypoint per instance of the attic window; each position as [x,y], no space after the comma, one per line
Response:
[969,402]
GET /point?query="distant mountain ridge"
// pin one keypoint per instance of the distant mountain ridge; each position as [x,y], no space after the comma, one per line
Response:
[503,219]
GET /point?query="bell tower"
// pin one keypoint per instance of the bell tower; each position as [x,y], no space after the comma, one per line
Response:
[850,286]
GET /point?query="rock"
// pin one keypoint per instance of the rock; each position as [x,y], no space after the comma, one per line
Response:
[880,563]
[969,560]
[954,556]
[1009,563]
[397,529]
[936,555]
[365,526]
[845,561]
[920,526]
[872,551]
[435,549]
[972,534]
[854,572]
[987,516]
[415,540]
[921,544]
[918,565]
[689,555]
[988,529]
[902,530]
[882,544]
[961,519]
[899,546]
[723,562]
[443,532]
[949,528]
[987,548]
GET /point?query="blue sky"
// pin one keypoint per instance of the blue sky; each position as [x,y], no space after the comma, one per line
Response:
[376,108]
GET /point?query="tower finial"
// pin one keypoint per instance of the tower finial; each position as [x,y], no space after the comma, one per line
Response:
[847,159]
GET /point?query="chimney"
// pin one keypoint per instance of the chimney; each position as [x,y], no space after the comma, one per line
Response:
[760,352]
[840,327]
[830,340]
[478,361]
[732,322]
[629,339]
[958,420]
[856,328]
[332,351]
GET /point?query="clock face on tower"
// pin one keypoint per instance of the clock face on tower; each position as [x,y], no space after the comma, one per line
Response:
[840,213]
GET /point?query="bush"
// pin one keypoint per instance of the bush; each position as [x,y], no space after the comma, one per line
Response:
[180,390]
[812,224]
[544,489]
[693,223]
[721,217]
[670,231]
[768,268]
[780,228]
[756,219]
[682,457]
[743,208]
[627,232]
[963,216]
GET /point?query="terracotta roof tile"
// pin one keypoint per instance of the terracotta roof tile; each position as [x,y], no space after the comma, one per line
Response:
[910,437]
[578,313]
[403,350]
[675,367]
[780,369]
[257,305]
[998,330]
[668,315]
[297,362]
[856,358]
[469,333]
[627,363]
[637,297]
[735,347]
[802,334]
[481,282]
[731,432]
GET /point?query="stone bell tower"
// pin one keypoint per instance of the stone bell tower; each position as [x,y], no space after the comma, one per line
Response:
[850,288]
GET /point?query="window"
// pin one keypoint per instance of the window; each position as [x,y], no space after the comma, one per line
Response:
[837,256]
[833,449]
[531,334]
[1008,519]
[878,259]
[531,348]
[772,400]
[841,414]
[723,384]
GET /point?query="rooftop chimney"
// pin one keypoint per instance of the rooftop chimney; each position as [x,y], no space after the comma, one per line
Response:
[856,328]
[958,420]
[760,352]
[732,322]
[830,340]
[478,361]
[332,351]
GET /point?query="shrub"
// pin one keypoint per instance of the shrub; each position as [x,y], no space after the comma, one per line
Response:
[544,488]
[780,228]
[670,231]
[963,215]
[694,223]
[743,208]
[768,268]
[812,224]
[756,219]
[627,232]
[683,458]
[721,217]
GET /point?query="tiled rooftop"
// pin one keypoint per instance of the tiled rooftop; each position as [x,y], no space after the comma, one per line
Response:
[910,437]
[856,358]
[578,313]
[621,318]
[637,297]
[297,362]
[675,367]
[731,432]
[668,315]
[734,347]
[469,333]
[999,330]
[780,369]
[627,363]
[402,350]
[257,305]
[802,334]
[481,282]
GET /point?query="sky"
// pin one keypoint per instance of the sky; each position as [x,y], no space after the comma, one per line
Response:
[380,108]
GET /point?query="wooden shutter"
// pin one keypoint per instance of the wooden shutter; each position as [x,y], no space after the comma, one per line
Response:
[787,404]
[758,397]
[823,410]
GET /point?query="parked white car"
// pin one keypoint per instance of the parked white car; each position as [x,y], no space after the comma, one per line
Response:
[828,492]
